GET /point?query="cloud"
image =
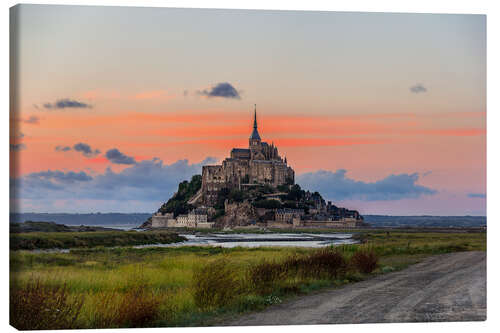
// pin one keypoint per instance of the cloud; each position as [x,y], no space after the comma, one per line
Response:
[81,147]
[86,150]
[146,184]
[60,176]
[31,120]
[336,186]
[477,195]
[224,89]
[66,103]
[117,157]
[17,146]
[63,148]
[418,88]
[41,183]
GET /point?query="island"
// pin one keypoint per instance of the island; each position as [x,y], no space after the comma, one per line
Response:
[253,187]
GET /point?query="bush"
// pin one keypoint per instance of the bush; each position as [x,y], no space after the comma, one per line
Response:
[40,307]
[365,261]
[267,203]
[134,308]
[177,204]
[215,285]
[265,275]
[327,263]
[236,195]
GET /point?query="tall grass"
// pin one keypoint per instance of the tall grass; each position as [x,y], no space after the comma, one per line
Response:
[264,276]
[325,263]
[365,261]
[215,285]
[137,307]
[39,307]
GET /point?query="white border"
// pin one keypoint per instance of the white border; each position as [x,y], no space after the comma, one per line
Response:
[421,6]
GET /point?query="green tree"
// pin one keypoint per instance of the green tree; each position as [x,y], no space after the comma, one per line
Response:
[178,203]
[268,204]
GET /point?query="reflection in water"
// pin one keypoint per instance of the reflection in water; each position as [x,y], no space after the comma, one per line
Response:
[257,240]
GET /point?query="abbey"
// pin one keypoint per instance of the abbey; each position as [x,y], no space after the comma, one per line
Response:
[259,164]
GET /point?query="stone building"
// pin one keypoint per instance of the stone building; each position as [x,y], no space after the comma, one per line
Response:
[162,221]
[286,215]
[259,164]
[183,221]
[197,218]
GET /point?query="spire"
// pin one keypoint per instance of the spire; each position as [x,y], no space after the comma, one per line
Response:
[255,116]
[255,134]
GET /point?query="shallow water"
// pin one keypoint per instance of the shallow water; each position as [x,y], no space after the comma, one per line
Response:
[247,240]
[259,240]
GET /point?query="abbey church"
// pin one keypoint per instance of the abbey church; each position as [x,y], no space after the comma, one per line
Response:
[259,164]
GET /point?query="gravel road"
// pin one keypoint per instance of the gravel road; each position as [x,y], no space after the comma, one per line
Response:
[449,287]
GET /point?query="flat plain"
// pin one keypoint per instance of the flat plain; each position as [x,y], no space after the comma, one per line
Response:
[148,287]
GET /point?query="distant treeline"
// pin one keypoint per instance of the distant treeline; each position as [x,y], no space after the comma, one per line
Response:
[139,218]
[85,219]
[425,221]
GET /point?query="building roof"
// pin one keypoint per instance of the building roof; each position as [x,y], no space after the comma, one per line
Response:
[255,135]
[241,150]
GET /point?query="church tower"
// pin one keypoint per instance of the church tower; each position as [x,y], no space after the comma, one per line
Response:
[255,137]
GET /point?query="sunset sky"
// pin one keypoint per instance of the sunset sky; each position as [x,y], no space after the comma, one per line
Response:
[383,113]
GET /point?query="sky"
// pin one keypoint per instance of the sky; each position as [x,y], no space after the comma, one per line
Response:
[113,106]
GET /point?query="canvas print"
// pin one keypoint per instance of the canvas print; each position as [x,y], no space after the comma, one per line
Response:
[216,167]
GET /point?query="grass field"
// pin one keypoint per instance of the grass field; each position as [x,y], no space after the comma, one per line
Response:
[195,286]
[66,240]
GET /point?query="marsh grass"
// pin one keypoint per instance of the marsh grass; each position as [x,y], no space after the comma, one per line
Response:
[137,307]
[35,306]
[65,240]
[215,285]
[130,287]
[365,261]
[266,275]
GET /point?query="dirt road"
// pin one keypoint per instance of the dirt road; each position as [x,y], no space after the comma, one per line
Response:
[450,287]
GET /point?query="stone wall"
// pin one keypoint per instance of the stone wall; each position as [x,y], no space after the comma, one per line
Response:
[213,179]
[206,225]
[345,223]
[239,214]
[161,221]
